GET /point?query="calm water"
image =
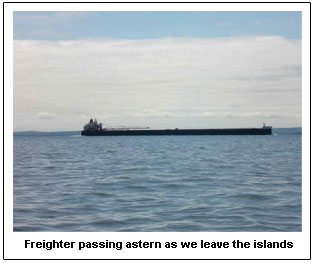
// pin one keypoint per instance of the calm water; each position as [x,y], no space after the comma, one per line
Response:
[157,183]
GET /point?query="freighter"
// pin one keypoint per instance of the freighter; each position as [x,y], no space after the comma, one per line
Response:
[93,128]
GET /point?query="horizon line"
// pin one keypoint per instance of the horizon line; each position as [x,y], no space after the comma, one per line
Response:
[155,129]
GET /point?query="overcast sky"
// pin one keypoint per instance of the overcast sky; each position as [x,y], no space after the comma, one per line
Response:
[157,69]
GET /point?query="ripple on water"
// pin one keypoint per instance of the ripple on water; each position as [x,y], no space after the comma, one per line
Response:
[174,183]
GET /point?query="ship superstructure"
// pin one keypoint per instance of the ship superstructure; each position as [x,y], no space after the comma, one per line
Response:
[93,125]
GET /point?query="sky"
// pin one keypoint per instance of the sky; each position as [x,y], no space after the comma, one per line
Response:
[156,69]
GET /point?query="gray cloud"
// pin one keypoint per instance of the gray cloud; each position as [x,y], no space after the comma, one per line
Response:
[148,82]
[275,74]
[45,115]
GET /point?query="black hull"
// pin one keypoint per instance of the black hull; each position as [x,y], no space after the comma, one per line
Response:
[243,131]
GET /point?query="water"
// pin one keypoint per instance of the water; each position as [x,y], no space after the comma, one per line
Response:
[157,183]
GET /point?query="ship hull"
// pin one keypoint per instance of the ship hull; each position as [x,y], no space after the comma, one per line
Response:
[242,131]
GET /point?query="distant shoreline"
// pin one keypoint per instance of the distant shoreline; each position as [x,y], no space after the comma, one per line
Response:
[38,133]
